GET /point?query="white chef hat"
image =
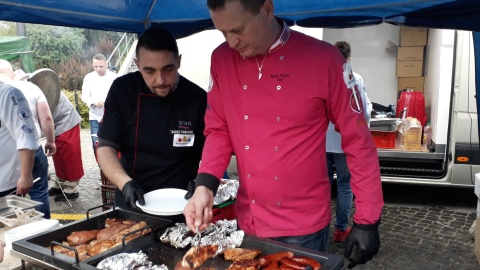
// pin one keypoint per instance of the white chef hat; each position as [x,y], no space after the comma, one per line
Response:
[20,75]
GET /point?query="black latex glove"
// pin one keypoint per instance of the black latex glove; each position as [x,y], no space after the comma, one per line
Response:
[132,192]
[366,239]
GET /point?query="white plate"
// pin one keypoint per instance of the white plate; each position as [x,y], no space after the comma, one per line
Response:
[164,202]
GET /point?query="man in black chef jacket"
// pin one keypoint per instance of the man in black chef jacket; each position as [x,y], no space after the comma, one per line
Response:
[154,118]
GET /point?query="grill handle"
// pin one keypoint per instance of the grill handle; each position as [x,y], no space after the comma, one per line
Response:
[54,243]
[103,205]
[132,232]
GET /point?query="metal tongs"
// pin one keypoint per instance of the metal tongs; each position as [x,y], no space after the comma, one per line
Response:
[197,236]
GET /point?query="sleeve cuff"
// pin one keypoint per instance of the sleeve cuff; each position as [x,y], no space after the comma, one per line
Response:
[103,142]
[368,227]
[207,180]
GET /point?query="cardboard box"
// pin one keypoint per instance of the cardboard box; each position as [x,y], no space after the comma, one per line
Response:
[414,83]
[406,68]
[410,53]
[413,36]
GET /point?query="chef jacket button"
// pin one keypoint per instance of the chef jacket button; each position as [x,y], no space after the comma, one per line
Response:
[279,87]
[248,176]
[276,148]
[253,201]
[245,87]
[246,117]
[281,57]
[278,119]
[276,178]
[279,204]
[247,147]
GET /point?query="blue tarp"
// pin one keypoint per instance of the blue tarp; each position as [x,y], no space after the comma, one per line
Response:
[185,17]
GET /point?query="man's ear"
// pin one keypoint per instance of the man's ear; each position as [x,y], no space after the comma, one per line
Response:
[179,60]
[268,6]
[136,61]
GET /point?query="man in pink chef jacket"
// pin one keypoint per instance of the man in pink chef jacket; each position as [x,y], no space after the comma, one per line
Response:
[272,94]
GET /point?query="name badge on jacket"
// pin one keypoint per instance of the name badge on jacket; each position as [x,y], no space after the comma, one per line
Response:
[183,138]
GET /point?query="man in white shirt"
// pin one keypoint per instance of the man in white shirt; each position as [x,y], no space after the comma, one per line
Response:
[96,85]
[18,141]
[43,121]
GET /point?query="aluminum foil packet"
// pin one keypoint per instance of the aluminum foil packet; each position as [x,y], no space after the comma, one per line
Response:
[129,261]
[223,233]
[227,190]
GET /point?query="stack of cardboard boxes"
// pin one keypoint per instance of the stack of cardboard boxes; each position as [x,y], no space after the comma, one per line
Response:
[410,58]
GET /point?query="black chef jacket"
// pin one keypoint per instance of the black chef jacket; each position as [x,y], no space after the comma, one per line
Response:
[155,133]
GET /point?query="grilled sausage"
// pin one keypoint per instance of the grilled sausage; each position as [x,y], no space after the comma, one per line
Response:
[291,263]
[267,259]
[272,266]
[307,261]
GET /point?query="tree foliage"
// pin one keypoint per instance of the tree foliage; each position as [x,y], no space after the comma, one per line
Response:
[72,71]
[7,29]
[54,44]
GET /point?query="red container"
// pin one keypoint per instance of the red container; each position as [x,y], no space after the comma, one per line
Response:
[384,139]
[108,195]
[224,211]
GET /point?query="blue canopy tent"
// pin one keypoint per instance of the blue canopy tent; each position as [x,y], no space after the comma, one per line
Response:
[186,17]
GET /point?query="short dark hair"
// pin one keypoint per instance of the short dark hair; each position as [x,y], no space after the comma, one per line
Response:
[344,48]
[157,39]
[99,56]
[252,6]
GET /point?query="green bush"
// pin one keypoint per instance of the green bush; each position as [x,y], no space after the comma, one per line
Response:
[81,107]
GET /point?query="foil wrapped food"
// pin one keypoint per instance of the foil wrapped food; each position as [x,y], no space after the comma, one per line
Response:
[129,261]
[223,233]
[227,190]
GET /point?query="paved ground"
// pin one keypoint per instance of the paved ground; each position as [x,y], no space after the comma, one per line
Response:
[422,227]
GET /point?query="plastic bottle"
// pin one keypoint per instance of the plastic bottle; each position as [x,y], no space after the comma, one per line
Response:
[427,135]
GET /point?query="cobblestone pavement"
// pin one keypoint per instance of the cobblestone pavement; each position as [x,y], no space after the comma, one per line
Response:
[417,231]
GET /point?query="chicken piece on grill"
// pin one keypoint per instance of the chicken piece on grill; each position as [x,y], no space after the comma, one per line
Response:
[109,222]
[190,261]
[100,247]
[111,231]
[81,250]
[244,265]
[118,238]
[81,237]
[240,254]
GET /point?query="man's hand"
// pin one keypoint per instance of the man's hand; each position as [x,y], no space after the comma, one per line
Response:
[367,241]
[198,211]
[24,184]
[132,192]
[50,149]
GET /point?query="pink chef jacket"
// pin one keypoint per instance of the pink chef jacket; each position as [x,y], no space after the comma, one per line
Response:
[276,126]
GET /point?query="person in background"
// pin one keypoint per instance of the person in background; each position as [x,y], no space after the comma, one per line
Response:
[68,158]
[94,92]
[337,160]
[155,118]
[272,93]
[18,139]
[43,121]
